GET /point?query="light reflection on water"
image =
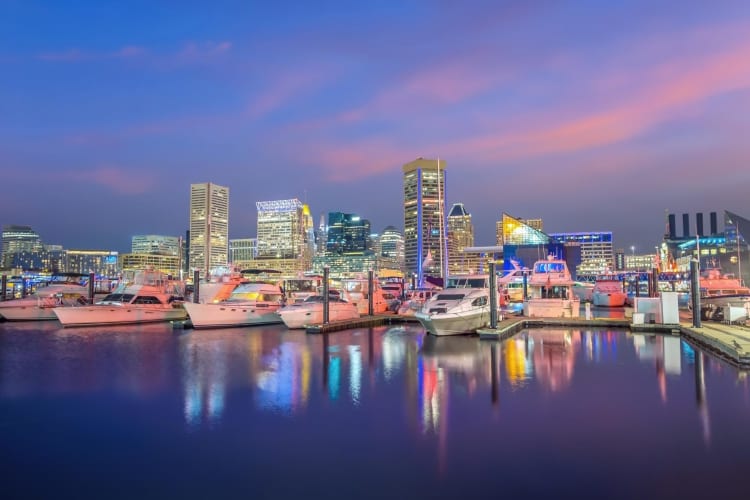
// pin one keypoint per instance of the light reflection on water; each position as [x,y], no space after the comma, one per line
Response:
[404,400]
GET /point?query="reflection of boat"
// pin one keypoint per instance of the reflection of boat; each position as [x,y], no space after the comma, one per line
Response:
[462,307]
[148,298]
[310,312]
[462,353]
[608,292]
[720,290]
[554,353]
[551,291]
[249,304]
[39,306]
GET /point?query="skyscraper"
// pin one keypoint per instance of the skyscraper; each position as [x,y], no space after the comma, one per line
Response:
[209,226]
[18,239]
[460,236]
[347,234]
[282,236]
[424,210]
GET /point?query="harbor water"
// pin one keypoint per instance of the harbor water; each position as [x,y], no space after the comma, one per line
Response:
[386,412]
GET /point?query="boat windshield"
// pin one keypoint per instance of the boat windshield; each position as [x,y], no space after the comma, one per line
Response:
[549,267]
[467,282]
[118,297]
[319,298]
[449,296]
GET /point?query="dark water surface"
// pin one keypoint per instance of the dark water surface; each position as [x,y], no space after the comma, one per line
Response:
[148,412]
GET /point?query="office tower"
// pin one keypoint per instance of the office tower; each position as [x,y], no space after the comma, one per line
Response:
[209,226]
[18,239]
[391,249]
[347,234]
[597,252]
[424,210]
[242,251]
[153,244]
[460,236]
[282,239]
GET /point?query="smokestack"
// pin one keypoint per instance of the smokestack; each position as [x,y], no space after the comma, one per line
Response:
[672,227]
[699,224]
[714,229]
[686,225]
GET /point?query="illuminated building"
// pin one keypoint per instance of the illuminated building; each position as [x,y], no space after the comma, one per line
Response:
[167,264]
[282,234]
[209,226]
[155,245]
[18,239]
[597,254]
[727,250]
[460,236]
[347,234]
[424,209]
[242,252]
[390,250]
[100,262]
[499,227]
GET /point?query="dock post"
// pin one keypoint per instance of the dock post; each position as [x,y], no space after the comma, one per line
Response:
[655,280]
[493,297]
[695,292]
[5,286]
[91,288]
[326,269]
[525,287]
[370,290]
[196,287]
[637,285]
[23,286]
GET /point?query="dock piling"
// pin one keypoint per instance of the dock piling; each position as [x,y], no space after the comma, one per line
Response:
[695,292]
[493,297]
[5,286]
[326,270]
[196,287]
[91,288]
[370,290]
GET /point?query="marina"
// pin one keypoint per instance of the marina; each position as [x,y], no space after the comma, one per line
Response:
[251,407]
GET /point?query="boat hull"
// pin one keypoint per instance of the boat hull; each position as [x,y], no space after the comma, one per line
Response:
[614,299]
[27,313]
[98,315]
[720,301]
[229,316]
[442,324]
[302,316]
[552,308]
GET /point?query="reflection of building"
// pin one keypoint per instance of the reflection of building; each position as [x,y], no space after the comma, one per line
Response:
[424,209]
[209,226]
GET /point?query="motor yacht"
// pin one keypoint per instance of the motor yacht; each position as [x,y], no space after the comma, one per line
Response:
[39,305]
[608,291]
[551,291]
[584,290]
[356,291]
[310,311]
[249,304]
[721,290]
[463,306]
[415,300]
[148,296]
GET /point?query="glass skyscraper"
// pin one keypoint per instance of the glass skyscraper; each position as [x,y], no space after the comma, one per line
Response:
[209,226]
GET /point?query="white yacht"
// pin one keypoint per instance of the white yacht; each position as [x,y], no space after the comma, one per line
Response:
[463,306]
[551,291]
[39,305]
[147,297]
[310,311]
[249,304]
[355,290]
[300,288]
[512,283]
[219,285]
[584,290]
[608,291]
[415,300]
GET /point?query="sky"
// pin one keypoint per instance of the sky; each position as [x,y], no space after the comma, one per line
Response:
[592,115]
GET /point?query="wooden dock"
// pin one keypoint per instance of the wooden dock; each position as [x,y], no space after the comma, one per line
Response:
[361,322]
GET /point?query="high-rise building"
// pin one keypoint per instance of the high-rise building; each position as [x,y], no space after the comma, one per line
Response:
[242,251]
[152,244]
[424,211]
[536,224]
[390,249]
[460,236]
[347,234]
[282,237]
[597,252]
[18,239]
[209,226]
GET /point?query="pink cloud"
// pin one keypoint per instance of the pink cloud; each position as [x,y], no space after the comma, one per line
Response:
[117,179]
[286,87]
[203,51]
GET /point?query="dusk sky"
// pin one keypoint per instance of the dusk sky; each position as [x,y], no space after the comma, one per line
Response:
[593,115]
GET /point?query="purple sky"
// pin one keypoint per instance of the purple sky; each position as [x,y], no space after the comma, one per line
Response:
[593,115]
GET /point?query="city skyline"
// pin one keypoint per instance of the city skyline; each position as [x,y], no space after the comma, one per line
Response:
[590,116]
